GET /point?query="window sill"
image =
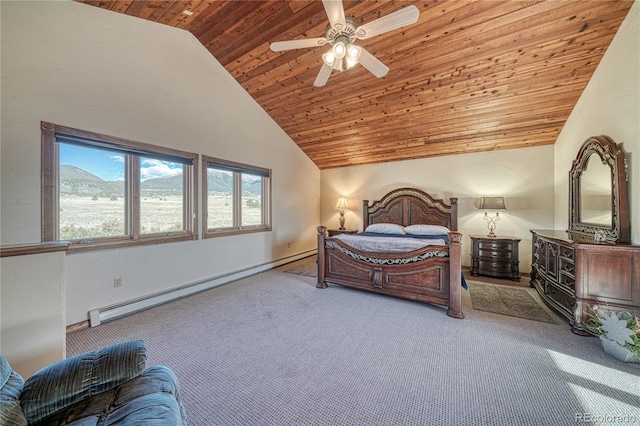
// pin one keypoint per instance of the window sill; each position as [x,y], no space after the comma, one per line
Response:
[115,244]
[235,231]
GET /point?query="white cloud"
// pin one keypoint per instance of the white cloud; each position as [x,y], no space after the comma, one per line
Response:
[150,169]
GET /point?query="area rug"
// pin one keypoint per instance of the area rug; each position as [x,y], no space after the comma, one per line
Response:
[504,300]
[307,267]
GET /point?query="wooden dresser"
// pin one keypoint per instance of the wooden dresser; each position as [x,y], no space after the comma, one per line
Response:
[495,256]
[570,276]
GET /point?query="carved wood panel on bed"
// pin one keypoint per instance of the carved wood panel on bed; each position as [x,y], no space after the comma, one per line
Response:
[430,274]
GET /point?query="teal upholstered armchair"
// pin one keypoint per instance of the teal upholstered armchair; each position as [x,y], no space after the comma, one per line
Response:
[110,386]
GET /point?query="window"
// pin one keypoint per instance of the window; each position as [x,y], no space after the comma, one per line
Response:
[100,191]
[236,198]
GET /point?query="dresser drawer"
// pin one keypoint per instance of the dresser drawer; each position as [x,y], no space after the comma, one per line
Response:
[567,281]
[566,266]
[563,300]
[567,252]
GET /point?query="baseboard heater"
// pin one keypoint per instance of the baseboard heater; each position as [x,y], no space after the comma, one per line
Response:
[108,313]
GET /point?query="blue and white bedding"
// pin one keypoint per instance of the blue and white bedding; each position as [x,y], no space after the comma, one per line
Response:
[387,243]
[394,238]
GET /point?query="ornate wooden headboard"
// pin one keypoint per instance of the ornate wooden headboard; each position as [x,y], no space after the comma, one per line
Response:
[408,206]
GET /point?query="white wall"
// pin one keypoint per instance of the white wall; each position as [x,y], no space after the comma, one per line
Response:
[523,176]
[609,105]
[85,67]
[33,311]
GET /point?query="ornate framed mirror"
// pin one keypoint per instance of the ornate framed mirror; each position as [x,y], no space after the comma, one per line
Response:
[598,203]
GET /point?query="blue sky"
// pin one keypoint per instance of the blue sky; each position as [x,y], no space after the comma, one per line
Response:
[110,165]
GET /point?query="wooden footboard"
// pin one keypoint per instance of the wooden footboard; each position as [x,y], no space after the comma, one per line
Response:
[431,274]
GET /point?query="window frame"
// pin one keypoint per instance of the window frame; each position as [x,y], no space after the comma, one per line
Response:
[237,169]
[133,150]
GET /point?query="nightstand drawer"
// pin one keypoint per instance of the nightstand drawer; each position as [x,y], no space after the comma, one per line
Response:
[495,245]
[494,267]
[503,255]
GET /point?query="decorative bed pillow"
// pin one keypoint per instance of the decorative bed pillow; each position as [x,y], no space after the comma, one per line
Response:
[426,230]
[386,228]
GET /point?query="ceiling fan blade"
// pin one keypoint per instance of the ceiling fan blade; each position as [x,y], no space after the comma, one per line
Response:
[405,16]
[278,46]
[323,75]
[373,64]
[335,13]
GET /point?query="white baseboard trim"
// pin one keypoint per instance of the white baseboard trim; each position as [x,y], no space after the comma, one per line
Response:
[108,313]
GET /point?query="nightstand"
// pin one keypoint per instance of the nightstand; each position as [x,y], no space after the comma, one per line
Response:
[495,256]
[333,232]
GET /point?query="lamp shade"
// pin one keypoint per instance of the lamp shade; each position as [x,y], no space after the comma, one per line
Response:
[492,203]
[342,205]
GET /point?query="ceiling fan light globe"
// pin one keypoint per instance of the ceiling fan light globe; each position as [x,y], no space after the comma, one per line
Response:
[328,58]
[353,53]
[339,50]
[351,62]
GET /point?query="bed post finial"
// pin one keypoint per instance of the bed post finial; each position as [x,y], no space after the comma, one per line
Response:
[365,214]
[454,213]
[322,232]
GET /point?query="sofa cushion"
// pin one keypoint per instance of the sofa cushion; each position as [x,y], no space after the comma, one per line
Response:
[74,379]
[11,384]
[151,398]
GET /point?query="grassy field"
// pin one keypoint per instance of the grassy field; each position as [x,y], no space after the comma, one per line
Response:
[92,217]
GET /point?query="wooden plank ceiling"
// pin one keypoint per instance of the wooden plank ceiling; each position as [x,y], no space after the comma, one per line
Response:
[469,76]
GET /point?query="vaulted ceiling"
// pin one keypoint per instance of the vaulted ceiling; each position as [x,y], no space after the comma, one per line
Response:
[469,76]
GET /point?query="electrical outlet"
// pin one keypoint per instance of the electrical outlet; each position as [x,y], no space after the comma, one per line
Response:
[117,282]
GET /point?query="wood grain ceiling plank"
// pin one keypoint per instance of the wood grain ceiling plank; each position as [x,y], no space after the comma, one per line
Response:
[119,6]
[441,126]
[218,27]
[456,104]
[353,156]
[264,24]
[150,10]
[207,17]
[175,17]
[436,133]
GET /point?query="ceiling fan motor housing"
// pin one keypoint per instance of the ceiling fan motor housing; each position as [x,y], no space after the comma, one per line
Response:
[336,34]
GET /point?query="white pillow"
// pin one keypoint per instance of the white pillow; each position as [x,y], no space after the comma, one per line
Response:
[426,230]
[386,228]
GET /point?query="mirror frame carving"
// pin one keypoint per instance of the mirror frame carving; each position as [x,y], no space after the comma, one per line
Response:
[611,154]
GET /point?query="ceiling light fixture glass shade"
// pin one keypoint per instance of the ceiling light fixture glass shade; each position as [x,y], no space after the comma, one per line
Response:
[339,50]
[328,58]
[353,53]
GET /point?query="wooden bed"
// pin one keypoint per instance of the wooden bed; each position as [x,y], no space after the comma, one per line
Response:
[431,274]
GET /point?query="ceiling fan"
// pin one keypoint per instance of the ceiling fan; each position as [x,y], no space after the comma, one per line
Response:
[342,32]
